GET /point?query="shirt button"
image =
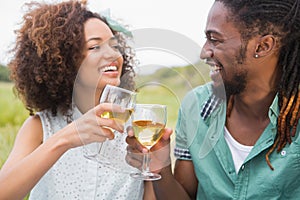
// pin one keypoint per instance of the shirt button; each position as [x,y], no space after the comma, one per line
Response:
[243,166]
[283,153]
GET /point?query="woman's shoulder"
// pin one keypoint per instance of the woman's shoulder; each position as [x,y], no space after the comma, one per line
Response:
[51,123]
[31,132]
[32,122]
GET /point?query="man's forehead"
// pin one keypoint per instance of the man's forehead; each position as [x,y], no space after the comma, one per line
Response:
[218,19]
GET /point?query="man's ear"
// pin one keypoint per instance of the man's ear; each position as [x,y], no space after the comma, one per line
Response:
[266,45]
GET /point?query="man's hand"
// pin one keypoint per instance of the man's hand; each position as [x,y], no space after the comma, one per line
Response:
[159,153]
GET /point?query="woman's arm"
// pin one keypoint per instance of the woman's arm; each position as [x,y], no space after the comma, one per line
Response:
[31,158]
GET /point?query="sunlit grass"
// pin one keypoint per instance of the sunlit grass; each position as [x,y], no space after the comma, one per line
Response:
[12,115]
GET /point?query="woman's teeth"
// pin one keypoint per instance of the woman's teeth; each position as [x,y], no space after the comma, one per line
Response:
[109,68]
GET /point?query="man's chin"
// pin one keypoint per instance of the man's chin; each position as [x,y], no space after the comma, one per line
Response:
[219,90]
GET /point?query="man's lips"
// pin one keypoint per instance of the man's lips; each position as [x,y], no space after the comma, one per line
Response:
[214,68]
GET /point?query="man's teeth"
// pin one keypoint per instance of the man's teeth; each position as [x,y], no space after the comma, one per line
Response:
[215,68]
[109,68]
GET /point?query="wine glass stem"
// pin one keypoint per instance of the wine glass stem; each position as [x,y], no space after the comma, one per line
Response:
[145,168]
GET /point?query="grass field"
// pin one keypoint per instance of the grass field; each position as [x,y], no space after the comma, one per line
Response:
[12,115]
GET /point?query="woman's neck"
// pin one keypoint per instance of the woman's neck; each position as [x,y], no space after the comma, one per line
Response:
[86,98]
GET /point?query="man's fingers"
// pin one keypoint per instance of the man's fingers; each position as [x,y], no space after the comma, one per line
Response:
[134,157]
[130,131]
[164,140]
[167,133]
[135,144]
[133,161]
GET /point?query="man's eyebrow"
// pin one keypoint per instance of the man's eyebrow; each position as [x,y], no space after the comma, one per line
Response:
[208,32]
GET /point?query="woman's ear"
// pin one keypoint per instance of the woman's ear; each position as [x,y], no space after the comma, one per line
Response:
[266,46]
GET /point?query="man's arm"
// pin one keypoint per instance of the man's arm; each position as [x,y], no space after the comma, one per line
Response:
[182,185]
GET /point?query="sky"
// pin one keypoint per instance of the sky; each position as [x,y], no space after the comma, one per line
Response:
[168,32]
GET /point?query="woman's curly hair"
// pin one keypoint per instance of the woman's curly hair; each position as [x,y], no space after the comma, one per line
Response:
[48,53]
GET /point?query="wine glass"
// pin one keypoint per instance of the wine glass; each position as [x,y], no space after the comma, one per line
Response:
[148,120]
[115,95]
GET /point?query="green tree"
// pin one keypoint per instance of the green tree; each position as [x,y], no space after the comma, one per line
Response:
[4,73]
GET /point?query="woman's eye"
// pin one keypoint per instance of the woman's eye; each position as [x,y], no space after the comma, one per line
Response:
[96,47]
[116,47]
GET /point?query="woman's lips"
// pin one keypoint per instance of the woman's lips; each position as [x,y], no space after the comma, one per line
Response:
[109,68]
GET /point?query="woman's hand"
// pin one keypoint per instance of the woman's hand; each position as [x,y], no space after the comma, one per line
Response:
[159,153]
[91,127]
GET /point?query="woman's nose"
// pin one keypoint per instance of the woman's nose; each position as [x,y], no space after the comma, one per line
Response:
[110,52]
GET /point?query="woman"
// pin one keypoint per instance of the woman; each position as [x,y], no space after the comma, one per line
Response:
[64,57]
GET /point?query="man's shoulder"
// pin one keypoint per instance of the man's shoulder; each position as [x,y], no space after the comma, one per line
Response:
[199,94]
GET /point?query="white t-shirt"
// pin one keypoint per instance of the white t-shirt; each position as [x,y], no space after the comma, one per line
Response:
[239,151]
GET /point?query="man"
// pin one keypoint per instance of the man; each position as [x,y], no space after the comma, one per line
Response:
[238,136]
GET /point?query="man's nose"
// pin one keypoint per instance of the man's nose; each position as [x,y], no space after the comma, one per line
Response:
[206,52]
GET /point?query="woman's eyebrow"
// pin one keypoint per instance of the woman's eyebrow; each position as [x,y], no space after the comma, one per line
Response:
[100,39]
[94,38]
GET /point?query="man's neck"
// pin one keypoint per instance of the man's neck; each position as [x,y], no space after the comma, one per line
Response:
[255,105]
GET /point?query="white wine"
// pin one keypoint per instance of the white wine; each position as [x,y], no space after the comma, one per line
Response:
[147,132]
[119,117]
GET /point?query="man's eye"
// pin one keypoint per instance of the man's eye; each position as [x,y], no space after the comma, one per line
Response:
[212,39]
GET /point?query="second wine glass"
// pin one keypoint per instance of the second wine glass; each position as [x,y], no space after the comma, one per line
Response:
[148,120]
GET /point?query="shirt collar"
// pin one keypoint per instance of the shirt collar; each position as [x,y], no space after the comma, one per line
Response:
[274,111]
[210,105]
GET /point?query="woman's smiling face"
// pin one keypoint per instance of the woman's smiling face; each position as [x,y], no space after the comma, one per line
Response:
[103,61]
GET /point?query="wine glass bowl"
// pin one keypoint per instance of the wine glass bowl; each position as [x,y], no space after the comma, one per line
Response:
[148,120]
[125,99]
[122,97]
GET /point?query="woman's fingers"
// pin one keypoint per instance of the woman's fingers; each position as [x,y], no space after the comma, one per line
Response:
[111,124]
[94,126]
[111,115]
